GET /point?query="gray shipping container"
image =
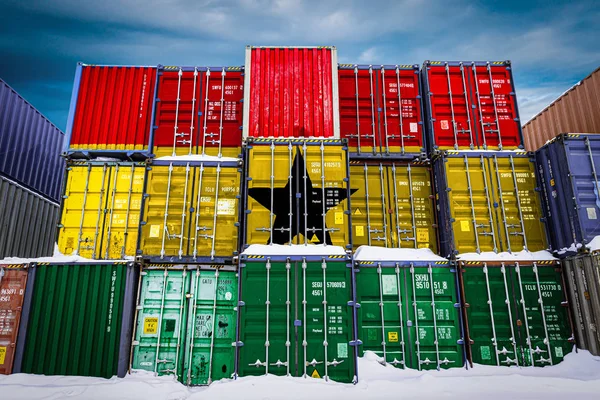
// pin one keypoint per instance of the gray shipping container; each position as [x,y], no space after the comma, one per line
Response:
[583,283]
[27,222]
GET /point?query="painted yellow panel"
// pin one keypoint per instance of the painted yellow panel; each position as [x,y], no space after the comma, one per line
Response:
[288,180]
[395,209]
[167,151]
[101,209]
[191,211]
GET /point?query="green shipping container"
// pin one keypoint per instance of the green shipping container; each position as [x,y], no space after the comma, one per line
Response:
[296,318]
[78,319]
[409,313]
[515,313]
[186,323]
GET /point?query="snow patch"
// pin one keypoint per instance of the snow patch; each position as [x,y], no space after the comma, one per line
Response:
[294,250]
[197,157]
[372,253]
[59,258]
[594,244]
[506,256]
[107,159]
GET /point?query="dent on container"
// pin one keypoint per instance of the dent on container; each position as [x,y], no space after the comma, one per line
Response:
[13,279]
[30,145]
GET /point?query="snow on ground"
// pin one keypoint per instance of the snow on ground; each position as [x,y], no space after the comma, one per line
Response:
[371,253]
[577,377]
[505,256]
[294,250]
[196,157]
[57,257]
[594,244]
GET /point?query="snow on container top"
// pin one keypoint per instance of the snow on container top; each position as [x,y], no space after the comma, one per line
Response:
[568,169]
[471,105]
[30,145]
[111,110]
[291,92]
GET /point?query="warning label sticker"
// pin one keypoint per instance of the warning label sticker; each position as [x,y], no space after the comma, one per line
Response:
[591,213]
[154,231]
[2,354]
[486,353]
[558,351]
[226,207]
[414,127]
[150,325]
[445,124]
[389,284]
[422,235]
[339,218]
[392,337]
[465,226]
[315,374]
[342,350]
[360,230]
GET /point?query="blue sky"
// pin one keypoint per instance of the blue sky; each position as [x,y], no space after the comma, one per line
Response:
[552,44]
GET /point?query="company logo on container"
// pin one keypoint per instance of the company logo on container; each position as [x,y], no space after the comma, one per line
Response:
[143,96]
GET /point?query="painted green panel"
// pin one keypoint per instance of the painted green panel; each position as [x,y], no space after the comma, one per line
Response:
[75,320]
[505,302]
[291,310]
[406,300]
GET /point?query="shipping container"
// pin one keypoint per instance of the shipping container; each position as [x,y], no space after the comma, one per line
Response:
[295,192]
[13,280]
[77,319]
[296,316]
[380,110]
[111,111]
[30,145]
[515,313]
[198,111]
[576,110]
[101,209]
[582,275]
[27,222]
[186,322]
[393,204]
[471,105]
[488,202]
[291,92]
[567,169]
[191,211]
[409,313]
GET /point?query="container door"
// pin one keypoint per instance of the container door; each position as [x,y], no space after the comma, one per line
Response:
[470,202]
[519,226]
[211,327]
[359,109]
[12,291]
[159,338]
[221,106]
[400,122]
[495,108]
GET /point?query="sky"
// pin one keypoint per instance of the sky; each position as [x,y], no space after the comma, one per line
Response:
[552,44]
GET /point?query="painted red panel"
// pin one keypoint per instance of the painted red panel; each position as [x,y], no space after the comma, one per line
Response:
[12,292]
[114,108]
[492,122]
[290,93]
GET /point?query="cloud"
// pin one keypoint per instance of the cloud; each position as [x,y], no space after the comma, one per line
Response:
[369,56]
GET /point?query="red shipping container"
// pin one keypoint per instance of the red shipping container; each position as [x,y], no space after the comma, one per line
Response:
[13,279]
[111,109]
[292,92]
[471,105]
[206,103]
[375,116]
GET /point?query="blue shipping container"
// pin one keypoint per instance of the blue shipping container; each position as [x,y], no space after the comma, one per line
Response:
[30,145]
[567,167]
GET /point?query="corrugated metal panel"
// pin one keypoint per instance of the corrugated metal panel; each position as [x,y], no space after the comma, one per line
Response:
[408,315]
[111,108]
[80,320]
[291,92]
[576,110]
[515,313]
[287,329]
[101,209]
[582,274]
[191,212]
[295,192]
[13,279]
[206,103]
[393,205]
[380,109]
[30,145]
[471,105]
[488,202]
[568,170]
[27,222]
[187,320]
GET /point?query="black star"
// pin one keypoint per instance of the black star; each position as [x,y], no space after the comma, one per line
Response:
[314,206]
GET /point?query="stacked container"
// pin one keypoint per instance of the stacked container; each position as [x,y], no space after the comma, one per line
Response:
[490,216]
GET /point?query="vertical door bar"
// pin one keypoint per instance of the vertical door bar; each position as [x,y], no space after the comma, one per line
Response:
[194,297]
[193,114]
[212,336]
[396,210]
[478,248]
[451,108]
[304,320]
[381,311]
[85,194]
[385,124]
[403,362]
[290,180]
[522,301]
[357,108]
[267,305]
[204,128]
[216,209]
[399,108]
[412,207]
[110,215]
[271,185]
[479,106]
[489,204]
[434,311]
[325,342]
[305,178]
[162,308]
[288,303]
[179,334]
[165,228]
[489,69]
[467,105]
[513,339]
[183,210]
[416,311]
[500,195]
[383,208]
[222,110]
[100,202]
[198,202]
[125,233]
[491,307]
[323,197]
[514,174]
[175,127]
[541,302]
[373,133]
[366,171]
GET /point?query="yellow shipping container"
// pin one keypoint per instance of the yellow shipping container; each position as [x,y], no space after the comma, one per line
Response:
[295,189]
[393,205]
[488,203]
[191,211]
[101,209]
